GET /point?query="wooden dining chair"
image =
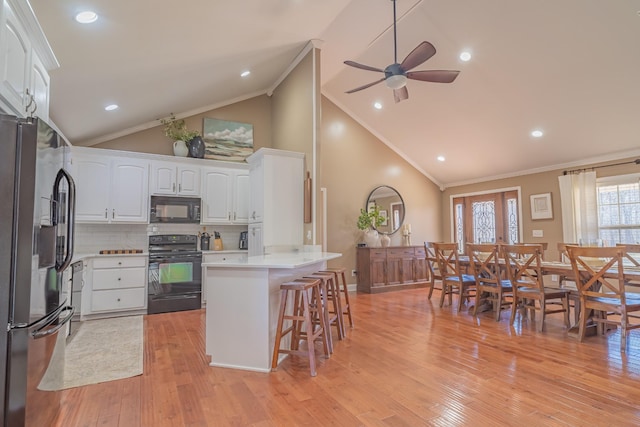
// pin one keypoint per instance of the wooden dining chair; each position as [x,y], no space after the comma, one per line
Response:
[523,264]
[490,284]
[599,273]
[453,278]
[432,266]
[566,281]
[632,253]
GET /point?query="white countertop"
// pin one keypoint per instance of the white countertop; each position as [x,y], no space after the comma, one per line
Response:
[278,260]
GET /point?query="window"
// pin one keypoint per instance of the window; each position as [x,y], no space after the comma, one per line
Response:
[619,209]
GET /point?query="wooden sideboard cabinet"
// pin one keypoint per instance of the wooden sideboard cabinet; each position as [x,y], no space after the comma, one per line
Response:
[392,268]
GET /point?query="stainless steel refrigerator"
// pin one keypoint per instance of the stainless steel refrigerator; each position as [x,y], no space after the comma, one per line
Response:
[37,202]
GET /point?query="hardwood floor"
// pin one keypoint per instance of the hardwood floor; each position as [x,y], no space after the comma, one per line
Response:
[407,362]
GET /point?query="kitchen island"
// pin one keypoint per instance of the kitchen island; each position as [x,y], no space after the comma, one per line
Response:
[243,299]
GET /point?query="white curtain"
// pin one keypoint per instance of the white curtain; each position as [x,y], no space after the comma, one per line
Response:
[579,208]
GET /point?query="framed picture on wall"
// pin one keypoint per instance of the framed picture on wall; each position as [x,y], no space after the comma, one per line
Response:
[541,206]
[383,214]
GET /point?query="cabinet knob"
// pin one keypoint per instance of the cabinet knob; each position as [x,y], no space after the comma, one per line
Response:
[119,279]
[118,299]
[119,262]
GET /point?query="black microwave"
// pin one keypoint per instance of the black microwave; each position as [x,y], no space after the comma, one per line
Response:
[176,210]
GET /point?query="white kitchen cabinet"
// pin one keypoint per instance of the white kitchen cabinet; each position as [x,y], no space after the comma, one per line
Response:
[110,189]
[117,284]
[221,256]
[256,243]
[277,197]
[178,180]
[25,58]
[225,195]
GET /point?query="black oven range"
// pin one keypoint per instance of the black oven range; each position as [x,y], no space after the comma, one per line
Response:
[175,273]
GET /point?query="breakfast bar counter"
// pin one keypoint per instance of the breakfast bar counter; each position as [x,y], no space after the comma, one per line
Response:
[243,299]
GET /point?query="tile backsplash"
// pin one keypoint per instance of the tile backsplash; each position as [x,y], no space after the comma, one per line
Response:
[91,238]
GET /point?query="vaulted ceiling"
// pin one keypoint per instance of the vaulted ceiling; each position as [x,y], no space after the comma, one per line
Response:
[568,68]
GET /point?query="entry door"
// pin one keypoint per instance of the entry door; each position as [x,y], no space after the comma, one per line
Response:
[486,218]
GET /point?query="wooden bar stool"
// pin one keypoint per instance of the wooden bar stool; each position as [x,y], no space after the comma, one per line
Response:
[331,303]
[307,305]
[346,305]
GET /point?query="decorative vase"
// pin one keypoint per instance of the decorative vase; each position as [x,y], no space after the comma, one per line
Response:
[371,238]
[180,148]
[196,147]
[385,240]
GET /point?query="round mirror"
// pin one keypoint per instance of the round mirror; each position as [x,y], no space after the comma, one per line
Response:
[390,205]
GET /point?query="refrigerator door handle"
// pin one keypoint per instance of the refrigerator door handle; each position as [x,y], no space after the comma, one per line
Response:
[71,211]
[41,332]
[43,321]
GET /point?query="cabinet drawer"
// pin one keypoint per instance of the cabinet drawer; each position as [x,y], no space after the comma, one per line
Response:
[120,299]
[119,262]
[224,257]
[377,253]
[401,253]
[118,278]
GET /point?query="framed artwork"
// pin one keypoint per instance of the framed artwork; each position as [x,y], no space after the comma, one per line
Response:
[225,140]
[541,206]
[383,214]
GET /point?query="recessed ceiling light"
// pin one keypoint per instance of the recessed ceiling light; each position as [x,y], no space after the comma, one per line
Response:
[465,56]
[245,73]
[111,107]
[377,105]
[86,17]
[537,133]
[441,158]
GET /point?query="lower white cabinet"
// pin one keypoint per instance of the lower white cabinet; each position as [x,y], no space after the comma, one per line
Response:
[221,256]
[118,284]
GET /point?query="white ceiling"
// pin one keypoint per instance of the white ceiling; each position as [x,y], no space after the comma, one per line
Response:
[568,67]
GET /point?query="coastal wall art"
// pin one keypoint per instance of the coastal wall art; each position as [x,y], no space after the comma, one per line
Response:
[225,140]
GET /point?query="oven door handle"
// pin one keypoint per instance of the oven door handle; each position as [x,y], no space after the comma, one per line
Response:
[175,258]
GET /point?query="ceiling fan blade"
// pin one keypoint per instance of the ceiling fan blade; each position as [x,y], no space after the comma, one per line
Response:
[400,94]
[365,86]
[435,76]
[420,54]
[363,67]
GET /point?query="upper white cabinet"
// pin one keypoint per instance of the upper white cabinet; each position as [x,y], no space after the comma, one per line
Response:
[25,58]
[225,195]
[277,197]
[110,189]
[171,179]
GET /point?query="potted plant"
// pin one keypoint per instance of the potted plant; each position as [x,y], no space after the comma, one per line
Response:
[368,221]
[181,136]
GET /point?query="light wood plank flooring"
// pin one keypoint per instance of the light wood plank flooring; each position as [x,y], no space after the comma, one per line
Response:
[407,362]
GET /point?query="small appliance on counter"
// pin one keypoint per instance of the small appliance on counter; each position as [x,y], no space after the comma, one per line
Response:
[205,239]
[217,242]
[244,240]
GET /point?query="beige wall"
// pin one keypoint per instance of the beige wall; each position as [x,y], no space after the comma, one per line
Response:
[256,111]
[354,162]
[545,182]
[293,115]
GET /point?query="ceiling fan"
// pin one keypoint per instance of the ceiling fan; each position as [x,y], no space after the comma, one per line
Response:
[396,74]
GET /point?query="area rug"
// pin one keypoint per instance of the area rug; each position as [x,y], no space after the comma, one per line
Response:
[102,350]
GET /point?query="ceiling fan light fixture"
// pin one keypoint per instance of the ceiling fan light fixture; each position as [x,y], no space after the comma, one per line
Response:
[396,82]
